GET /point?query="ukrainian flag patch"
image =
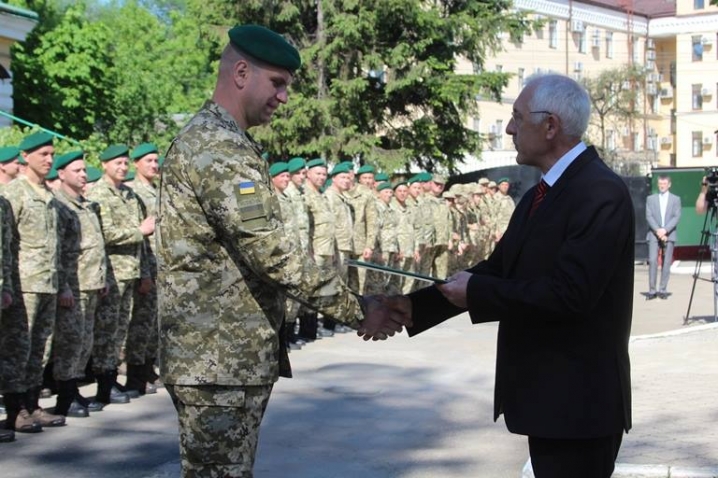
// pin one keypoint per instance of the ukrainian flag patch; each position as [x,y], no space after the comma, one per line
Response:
[246,187]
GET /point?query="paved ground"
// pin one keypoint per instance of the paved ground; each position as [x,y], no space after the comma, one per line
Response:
[417,408]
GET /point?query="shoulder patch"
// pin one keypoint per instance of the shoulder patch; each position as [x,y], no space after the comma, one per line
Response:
[246,187]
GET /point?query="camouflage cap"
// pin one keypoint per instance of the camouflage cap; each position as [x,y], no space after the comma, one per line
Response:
[67,158]
[143,150]
[114,151]
[296,164]
[278,168]
[93,174]
[35,140]
[491,184]
[424,177]
[316,162]
[265,45]
[383,186]
[448,195]
[484,181]
[9,153]
[438,178]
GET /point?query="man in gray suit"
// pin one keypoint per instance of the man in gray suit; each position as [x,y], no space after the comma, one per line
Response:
[663,211]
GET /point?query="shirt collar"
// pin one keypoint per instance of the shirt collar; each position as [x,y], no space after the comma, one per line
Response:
[563,163]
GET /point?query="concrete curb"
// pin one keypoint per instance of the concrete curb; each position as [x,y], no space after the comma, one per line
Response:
[673,333]
[624,470]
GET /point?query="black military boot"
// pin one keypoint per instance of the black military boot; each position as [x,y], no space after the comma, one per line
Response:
[66,403]
[117,387]
[106,391]
[136,380]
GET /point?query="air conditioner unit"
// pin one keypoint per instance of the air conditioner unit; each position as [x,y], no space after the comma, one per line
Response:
[666,92]
[666,140]
[578,66]
[707,140]
[651,54]
[706,92]
[651,89]
[650,44]
[577,26]
[707,41]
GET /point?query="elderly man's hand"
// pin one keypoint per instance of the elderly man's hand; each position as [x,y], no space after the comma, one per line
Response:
[455,289]
[384,316]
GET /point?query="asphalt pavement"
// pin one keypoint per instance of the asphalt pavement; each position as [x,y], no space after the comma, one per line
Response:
[418,408]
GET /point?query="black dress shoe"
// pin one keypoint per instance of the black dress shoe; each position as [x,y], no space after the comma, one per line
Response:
[651,296]
[77,411]
[663,295]
[294,346]
[92,406]
[150,389]
[130,392]
[119,397]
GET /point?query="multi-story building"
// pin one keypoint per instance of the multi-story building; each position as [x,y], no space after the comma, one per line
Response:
[672,44]
[15,24]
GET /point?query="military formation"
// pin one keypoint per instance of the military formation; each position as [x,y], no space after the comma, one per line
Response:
[78,296]
[413,224]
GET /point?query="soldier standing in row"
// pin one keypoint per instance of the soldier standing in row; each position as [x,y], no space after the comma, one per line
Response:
[30,320]
[386,247]
[84,269]
[142,338]
[440,217]
[504,208]
[343,224]
[124,228]
[405,234]
[224,257]
[363,202]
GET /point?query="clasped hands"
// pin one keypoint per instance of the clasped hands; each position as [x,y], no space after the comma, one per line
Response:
[385,316]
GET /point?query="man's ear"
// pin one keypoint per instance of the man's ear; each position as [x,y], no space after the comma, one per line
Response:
[240,73]
[553,125]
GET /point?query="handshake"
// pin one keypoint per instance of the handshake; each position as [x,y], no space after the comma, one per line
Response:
[384,316]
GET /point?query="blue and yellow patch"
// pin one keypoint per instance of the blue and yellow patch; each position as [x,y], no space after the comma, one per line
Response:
[246,187]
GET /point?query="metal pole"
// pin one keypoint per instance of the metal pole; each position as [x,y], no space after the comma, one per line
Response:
[33,125]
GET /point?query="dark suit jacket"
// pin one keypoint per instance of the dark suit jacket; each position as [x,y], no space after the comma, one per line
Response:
[561,286]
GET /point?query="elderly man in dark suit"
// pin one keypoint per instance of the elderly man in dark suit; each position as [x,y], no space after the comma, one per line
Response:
[663,211]
[560,283]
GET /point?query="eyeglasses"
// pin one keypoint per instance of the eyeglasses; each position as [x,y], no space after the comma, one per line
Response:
[518,119]
[541,112]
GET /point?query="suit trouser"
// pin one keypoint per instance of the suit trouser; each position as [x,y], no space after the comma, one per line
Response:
[573,458]
[653,265]
[219,428]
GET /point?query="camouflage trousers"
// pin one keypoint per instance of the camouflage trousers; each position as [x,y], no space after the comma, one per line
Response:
[357,281]
[142,335]
[218,428]
[381,282]
[111,322]
[407,264]
[72,340]
[440,268]
[27,330]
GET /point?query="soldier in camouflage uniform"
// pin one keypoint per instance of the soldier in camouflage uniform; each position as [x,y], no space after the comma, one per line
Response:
[224,261]
[343,223]
[142,340]
[386,248]
[124,228]
[490,207]
[504,208]
[363,202]
[441,221]
[30,319]
[408,252]
[84,269]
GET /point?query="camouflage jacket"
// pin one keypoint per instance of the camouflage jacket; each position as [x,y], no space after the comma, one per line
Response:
[224,260]
[405,228]
[300,215]
[504,208]
[34,232]
[321,224]
[83,259]
[363,202]
[387,225]
[121,213]
[148,195]
[439,216]
[286,207]
[343,225]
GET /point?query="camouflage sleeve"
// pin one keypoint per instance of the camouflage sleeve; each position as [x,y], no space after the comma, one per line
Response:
[115,227]
[7,257]
[64,233]
[239,202]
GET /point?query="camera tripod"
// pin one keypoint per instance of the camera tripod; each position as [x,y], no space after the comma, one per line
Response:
[710,244]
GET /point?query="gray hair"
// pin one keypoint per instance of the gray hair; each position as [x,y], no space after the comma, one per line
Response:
[564,98]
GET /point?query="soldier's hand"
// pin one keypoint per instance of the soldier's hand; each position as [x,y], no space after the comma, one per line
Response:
[384,316]
[145,286]
[148,226]
[367,254]
[66,299]
[6,299]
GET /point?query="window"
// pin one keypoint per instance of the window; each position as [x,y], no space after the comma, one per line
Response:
[582,41]
[476,124]
[697,97]
[697,47]
[609,44]
[636,142]
[610,139]
[521,79]
[499,68]
[634,51]
[697,144]
[698,4]
[477,68]
[553,34]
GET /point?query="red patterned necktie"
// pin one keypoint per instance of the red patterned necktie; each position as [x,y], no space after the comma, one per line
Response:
[539,194]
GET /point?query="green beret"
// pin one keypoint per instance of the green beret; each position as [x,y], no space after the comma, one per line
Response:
[278,168]
[265,155]
[340,168]
[438,178]
[326,185]
[366,169]
[52,174]
[265,45]
[381,177]
[414,179]
[143,150]
[502,180]
[114,151]
[21,160]
[160,161]
[348,164]
[383,186]
[65,159]
[129,176]
[424,177]
[316,162]
[400,183]
[35,140]
[296,164]
[93,174]
[8,153]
